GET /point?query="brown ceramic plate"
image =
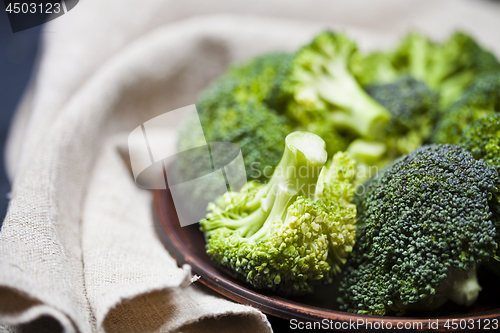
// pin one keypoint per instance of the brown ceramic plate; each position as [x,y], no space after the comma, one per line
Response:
[187,246]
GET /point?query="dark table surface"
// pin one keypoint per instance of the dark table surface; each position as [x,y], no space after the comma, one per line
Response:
[17,58]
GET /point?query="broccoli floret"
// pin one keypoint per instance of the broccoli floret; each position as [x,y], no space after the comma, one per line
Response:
[318,87]
[424,225]
[232,110]
[482,139]
[250,81]
[414,110]
[257,130]
[481,98]
[374,68]
[257,77]
[449,67]
[295,231]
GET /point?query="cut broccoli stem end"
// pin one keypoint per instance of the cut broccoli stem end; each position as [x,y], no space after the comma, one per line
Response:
[299,169]
[367,152]
[463,287]
[459,286]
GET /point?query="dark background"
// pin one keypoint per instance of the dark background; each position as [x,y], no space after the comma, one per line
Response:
[17,59]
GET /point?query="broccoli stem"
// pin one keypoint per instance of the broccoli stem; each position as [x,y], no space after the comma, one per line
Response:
[418,61]
[462,287]
[298,170]
[295,175]
[366,152]
[358,111]
[245,225]
[283,199]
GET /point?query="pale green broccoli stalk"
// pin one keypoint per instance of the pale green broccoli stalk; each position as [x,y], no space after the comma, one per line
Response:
[413,55]
[369,156]
[318,86]
[424,226]
[289,234]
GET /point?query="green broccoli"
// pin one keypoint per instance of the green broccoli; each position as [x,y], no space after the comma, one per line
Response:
[482,139]
[369,157]
[424,225]
[449,67]
[374,68]
[414,110]
[413,56]
[256,129]
[252,80]
[482,97]
[295,231]
[335,141]
[232,110]
[258,75]
[318,87]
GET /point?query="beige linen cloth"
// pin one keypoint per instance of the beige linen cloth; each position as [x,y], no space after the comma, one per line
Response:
[78,243]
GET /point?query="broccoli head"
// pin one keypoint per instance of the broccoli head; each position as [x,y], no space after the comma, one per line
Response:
[293,232]
[232,110]
[374,68]
[482,139]
[481,98]
[414,110]
[252,80]
[255,128]
[449,67]
[424,225]
[257,76]
[413,56]
[318,87]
